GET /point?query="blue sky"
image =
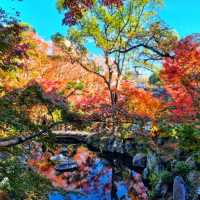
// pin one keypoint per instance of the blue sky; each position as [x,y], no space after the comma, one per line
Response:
[181,15]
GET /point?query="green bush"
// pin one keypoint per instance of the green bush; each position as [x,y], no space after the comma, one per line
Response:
[189,138]
[166,176]
[151,195]
[21,183]
[181,168]
[153,179]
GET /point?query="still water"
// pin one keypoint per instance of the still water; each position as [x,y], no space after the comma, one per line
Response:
[92,180]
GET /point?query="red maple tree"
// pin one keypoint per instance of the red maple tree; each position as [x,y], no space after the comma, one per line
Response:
[180,76]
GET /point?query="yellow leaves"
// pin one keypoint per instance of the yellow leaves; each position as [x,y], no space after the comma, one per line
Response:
[144,2]
[154,130]
[146,105]
[56,115]
[131,34]
[37,112]
[60,4]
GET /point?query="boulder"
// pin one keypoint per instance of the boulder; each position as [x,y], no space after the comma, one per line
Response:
[119,146]
[145,174]
[23,160]
[161,189]
[198,191]
[128,146]
[139,160]
[191,160]
[58,158]
[115,145]
[4,155]
[179,190]
[153,163]
[193,178]
[66,165]
[110,144]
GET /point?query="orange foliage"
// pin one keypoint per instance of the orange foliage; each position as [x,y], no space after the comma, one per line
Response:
[140,102]
[131,100]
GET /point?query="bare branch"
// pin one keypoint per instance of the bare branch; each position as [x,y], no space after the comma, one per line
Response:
[146,47]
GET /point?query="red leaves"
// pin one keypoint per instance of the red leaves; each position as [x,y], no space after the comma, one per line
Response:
[69,19]
[13,49]
[49,85]
[131,101]
[91,100]
[76,9]
[180,78]
[116,3]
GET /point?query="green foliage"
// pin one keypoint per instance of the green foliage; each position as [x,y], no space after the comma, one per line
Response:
[60,4]
[75,85]
[112,29]
[57,38]
[153,179]
[154,79]
[187,136]
[151,194]
[166,177]
[22,183]
[48,141]
[15,107]
[181,168]
[13,117]
[125,131]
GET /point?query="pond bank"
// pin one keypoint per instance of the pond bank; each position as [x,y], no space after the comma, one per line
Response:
[158,166]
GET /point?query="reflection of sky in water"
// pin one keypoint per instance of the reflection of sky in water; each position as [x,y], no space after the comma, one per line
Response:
[99,179]
[55,196]
[122,190]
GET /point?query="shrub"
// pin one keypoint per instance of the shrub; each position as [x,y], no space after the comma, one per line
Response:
[21,183]
[181,168]
[166,176]
[189,138]
[153,179]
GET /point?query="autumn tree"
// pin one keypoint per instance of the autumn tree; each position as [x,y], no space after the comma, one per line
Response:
[12,49]
[181,79]
[126,33]
[27,97]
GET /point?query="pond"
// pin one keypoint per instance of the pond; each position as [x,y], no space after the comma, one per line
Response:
[92,178]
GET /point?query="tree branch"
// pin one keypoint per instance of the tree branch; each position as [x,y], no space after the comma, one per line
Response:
[8,142]
[146,47]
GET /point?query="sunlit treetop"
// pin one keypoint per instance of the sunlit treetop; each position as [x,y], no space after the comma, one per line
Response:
[118,26]
[75,13]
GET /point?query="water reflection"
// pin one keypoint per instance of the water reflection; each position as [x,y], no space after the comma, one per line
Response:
[91,181]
